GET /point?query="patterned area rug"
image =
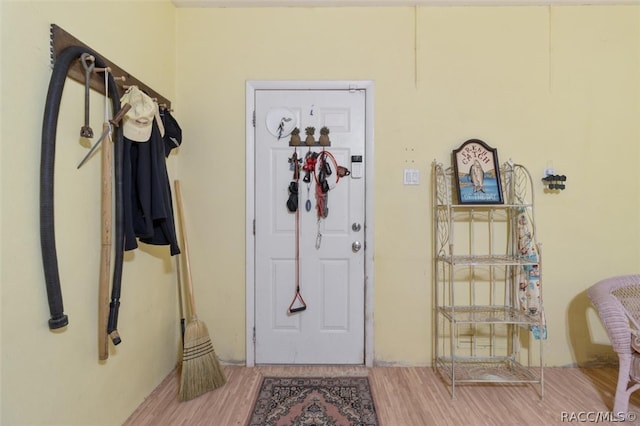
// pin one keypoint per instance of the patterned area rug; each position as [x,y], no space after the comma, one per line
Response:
[317,401]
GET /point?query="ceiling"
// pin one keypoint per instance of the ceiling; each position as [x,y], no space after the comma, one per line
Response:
[364,3]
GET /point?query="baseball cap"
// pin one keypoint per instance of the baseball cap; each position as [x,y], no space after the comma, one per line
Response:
[138,121]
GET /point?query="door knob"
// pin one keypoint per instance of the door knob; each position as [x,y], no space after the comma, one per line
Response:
[356,246]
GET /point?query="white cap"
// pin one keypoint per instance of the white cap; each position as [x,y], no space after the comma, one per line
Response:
[138,121]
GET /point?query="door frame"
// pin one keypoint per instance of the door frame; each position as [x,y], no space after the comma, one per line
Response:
[251,87]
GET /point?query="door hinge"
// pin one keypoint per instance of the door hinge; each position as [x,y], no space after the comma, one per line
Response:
[254,335]
[254,227]
[253,121]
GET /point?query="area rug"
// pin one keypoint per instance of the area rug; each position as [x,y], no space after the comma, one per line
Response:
[317,401]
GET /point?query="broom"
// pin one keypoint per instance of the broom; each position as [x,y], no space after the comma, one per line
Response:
[201,371]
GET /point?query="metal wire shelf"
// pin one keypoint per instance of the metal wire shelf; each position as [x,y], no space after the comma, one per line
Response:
[482,330]
[487,315]
[487,370]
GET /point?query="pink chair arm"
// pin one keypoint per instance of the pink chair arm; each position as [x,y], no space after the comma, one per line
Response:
[614,316]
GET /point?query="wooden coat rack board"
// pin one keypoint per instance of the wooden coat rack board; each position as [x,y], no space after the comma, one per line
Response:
[60,39]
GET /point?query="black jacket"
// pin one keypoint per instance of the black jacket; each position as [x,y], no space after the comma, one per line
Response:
[148,205]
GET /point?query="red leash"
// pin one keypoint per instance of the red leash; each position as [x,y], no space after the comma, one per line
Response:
[298,296]
[321,169]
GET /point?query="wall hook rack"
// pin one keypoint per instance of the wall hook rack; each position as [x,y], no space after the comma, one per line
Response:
[60,40]
[310,140]
[555,181]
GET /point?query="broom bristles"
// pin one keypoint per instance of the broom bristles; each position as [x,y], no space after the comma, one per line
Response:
[201,370]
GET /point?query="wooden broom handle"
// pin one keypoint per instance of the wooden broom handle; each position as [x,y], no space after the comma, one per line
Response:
[185,248]
[105,253]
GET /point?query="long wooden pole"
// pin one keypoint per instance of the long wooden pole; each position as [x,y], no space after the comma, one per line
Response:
[185,250]
[105,253]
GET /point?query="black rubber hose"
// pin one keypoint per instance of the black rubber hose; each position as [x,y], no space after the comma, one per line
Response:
[118,158]
[47,166]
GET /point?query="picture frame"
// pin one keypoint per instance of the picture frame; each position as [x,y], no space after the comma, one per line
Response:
[477,173]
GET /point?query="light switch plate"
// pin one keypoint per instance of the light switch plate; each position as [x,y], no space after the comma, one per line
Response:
[411,177]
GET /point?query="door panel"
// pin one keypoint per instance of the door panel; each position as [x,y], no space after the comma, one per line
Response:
[331,329]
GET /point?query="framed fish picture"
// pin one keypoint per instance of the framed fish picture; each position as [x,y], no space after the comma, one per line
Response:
[477,173]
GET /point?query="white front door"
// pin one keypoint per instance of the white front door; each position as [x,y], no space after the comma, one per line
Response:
[329,268]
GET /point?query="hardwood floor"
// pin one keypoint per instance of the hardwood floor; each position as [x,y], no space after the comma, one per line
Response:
[404,396]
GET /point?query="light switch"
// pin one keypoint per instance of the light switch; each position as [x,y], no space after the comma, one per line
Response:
[411,177]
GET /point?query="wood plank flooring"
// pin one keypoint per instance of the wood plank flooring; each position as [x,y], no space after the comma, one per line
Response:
[404,396]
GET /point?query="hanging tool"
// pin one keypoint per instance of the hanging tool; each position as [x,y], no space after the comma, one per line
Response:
[106,131]
[88,63]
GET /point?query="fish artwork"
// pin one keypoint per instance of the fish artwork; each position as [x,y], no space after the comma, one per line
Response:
[476,174]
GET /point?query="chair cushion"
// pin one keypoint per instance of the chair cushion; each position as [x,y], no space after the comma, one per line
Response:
[634,372]
[635,342]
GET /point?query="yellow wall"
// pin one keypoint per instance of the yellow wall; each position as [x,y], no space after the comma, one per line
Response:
[546,86]
[55,377]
